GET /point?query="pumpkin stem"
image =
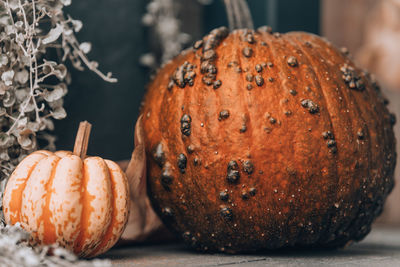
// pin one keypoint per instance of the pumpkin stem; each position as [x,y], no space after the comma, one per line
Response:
[82,139]
[239,16]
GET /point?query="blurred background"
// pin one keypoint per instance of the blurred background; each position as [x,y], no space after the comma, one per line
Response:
[131,38]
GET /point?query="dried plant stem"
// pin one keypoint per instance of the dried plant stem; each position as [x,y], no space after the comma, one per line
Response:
[90,65]
[239,15]
[82,139]
[229,11]
[29,51]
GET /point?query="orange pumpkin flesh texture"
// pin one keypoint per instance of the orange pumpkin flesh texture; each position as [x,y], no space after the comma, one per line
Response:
[80,204]
[261,141]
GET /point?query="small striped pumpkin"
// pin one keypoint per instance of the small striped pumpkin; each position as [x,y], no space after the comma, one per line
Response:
[79,203]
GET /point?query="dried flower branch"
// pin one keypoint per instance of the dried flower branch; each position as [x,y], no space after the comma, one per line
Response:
[32,85]
[162,17]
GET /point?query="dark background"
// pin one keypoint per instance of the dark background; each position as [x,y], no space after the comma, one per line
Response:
[118,39]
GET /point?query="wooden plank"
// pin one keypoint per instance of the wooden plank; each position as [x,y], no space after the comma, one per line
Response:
[380,248]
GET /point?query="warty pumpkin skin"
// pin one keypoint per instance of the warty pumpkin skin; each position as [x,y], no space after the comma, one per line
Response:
[59,198]
[258,140]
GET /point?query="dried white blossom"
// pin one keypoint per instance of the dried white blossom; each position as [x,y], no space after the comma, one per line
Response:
[59,113]
[77,24]
[53,34]
[162,17]
[3,60]
[85,47]
[22,77]
[148,60]
[7,77]
[15,252]
[66,2]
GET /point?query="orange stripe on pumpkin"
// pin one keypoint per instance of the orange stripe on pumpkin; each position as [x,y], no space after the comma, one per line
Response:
[34,197]
[119,216]
[86,210]
[49,231]
[97,197]
[65,200]
[108,234]
[16,186]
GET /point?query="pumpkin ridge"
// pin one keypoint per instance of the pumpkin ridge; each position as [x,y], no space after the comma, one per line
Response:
[245,104]
[363,207]
[319,86]
[214,126]
[119,179]
[380,108]
[303,235]
[353,213]
[254,123]
[237,138]
[279,45]
[98,204]
[33,202]
[49,230]
[339,227]
[333,212]
[269,53]
[197,135]
[66,224]
[188,108]
[225,145]
[17,218]
[381,177]
[364,204]
[273,75]
[362,197]
[106,237]
[282,79]
[390,148]
[283,75]
[149,118]
[248,134]
[175,109]
[301,75]
[195,139]
[164,105]
[295,46]
[82,224]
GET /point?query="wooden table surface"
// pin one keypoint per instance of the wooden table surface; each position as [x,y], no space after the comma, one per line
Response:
[380,248]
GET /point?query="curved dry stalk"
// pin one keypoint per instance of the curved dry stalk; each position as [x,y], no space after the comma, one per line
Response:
[143,221]
[239,16]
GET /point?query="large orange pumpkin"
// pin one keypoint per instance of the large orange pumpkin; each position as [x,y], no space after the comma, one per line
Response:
[63,197]
[260,140]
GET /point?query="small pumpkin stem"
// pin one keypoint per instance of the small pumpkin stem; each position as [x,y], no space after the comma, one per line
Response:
[82,139]
[239,16]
